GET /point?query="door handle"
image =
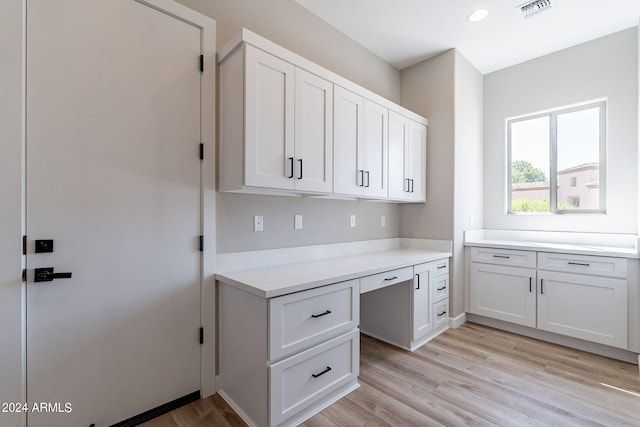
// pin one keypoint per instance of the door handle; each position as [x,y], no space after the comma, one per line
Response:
[47,275]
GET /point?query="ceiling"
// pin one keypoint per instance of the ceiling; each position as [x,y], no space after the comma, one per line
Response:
[405,32]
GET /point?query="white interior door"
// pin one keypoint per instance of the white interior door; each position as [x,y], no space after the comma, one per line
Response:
[113,177]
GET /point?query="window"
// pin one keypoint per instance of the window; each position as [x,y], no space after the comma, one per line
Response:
[557,161]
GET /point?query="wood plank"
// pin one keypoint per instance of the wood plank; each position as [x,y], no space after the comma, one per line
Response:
[473,375]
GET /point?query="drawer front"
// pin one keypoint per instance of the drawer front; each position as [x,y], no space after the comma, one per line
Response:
[388,278]
[299,381]
[440,313]
[440,268]
[440,288]
[504,257]
[583,264]
[301,320]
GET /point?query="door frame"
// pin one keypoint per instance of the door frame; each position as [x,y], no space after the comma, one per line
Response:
[14,180]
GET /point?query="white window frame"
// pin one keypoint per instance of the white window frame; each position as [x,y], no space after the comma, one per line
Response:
[553,154]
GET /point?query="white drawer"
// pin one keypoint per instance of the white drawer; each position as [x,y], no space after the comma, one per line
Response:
[583,264]
[441,267]
[504,257]
[303,319]
[300,381]
[440,313]
[440,288]
[388,278]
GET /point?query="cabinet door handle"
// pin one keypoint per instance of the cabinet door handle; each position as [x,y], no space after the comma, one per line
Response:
[418,281]
[388,279]
[442,314]
[300,176]
[442,288]
[367,172]
[581,264]
[530,280]
[291,167]
[327,369]
[412,186]
[315,316]
[541,286]
[361,178]
[408,185]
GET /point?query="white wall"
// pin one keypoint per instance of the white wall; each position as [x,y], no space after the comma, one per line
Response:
[447,89]
[606,67]
[468,195]
[290,25]
[11,288]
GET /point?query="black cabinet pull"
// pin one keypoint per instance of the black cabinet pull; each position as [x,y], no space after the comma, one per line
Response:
[291,167]
[541,286]
[442,288]
[361,172]
[315,316]
[418,281]
[412,186]
[388,279]
[367,172]
[442,314]
[321,373]
[408,185]
[530,288]
[440,267]
[581,264]
[300,177]
[502,256]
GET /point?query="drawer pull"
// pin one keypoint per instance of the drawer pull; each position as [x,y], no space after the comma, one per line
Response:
[442,314]
[440,267]
[502,256]
[321,373]
[315,316]
[418,281]
[388,279]
[442,288]
[581,264]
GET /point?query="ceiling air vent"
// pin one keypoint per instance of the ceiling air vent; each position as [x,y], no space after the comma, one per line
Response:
[534,7]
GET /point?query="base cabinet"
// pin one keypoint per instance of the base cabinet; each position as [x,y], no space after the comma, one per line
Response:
[578,296]
[430,300]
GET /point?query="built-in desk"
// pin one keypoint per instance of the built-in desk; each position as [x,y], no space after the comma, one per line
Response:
[289,321]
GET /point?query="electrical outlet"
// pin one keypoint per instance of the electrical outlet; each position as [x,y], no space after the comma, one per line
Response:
[297,220]
[258,223]
[383,221]
[352,220]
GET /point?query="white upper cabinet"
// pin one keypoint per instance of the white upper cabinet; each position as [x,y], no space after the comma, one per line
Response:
[289,126]
[347,138]
[360,146]
[407,158]
[269,124]
[313,154]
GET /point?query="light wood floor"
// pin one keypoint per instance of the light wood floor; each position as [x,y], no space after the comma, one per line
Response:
[473,375]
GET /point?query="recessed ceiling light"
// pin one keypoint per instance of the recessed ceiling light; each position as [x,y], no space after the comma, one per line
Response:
[478,15]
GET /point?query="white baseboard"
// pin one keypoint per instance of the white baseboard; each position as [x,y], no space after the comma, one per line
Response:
[459,320]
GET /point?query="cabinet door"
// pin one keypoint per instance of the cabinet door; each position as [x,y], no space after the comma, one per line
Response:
[587,307]
[376,149]
[269,130]
[416,161]
[504,293]
[348,172]
[422,304]
[398,135]
[313,133]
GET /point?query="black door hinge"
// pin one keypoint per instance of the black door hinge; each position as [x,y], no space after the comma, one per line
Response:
[24,274]
[24,245]
[201,335]
[202,63]
[201,243]
[201,151]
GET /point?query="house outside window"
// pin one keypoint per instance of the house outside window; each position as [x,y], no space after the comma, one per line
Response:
[557,161]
